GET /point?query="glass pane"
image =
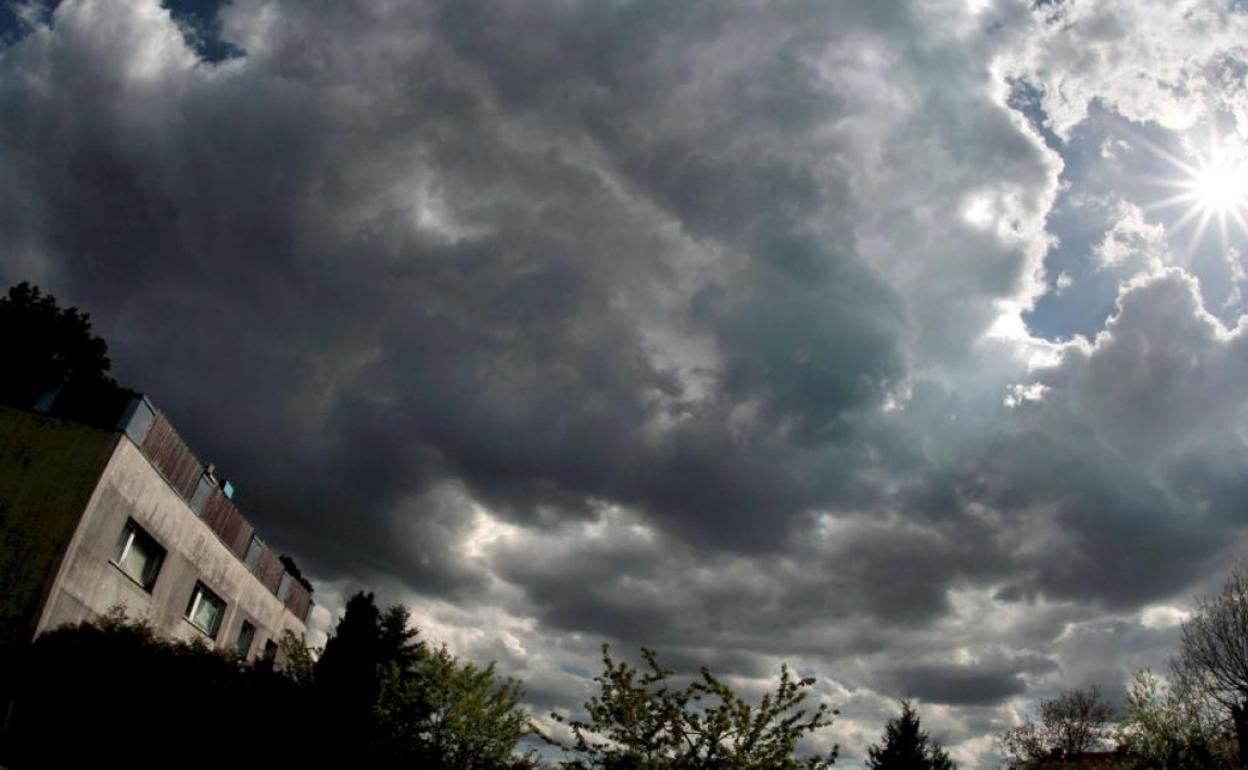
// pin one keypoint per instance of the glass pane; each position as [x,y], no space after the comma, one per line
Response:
[135,561]
[152,568]
[207,612]
[253,552]
[245,636]
[123,540]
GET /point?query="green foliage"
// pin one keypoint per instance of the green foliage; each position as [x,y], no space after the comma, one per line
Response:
[403,703]
[907,747]
[455,714]
[641,721]
[1172,726]
[299,659]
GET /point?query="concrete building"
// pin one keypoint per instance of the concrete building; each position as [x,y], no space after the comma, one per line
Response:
[93,518]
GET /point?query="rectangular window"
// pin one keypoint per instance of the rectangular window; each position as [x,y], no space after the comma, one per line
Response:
[253,552]
[283,588]
[245,634]
[205,610]
[270,651]
[138,555]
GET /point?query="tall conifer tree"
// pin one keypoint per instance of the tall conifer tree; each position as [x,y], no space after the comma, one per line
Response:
[907,747]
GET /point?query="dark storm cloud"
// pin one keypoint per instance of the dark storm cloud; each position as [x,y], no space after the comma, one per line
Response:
[259,210]
[962,685]
[670,323]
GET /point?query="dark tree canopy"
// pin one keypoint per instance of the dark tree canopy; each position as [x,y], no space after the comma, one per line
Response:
[116,683]
[46,345]
[51,359]
[907,747]
[406,705]
[115,689]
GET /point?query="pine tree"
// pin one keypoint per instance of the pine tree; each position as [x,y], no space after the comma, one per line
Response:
[907,747]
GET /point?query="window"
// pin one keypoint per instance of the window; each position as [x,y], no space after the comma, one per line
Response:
[205,610]
[283,588]
[270,651]
[245,635]
[138,555]
[253,552]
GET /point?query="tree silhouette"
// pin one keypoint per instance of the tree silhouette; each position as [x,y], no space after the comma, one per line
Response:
[907,747]
[115,684]
[1075,722]
[46,345]
[347,677]
[394,702]
[48,350]
[1214,651]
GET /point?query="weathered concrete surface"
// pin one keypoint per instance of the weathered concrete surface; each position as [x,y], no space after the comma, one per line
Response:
[90,584]
[48,472]
[66,493]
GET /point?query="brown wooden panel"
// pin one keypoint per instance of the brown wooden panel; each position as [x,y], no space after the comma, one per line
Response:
[299,600]
[269,569]
[221,514]
[172,457]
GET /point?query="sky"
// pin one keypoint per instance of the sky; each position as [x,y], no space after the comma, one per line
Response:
[902,342]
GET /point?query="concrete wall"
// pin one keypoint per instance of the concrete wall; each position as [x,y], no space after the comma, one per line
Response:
[89,584]
[48,473]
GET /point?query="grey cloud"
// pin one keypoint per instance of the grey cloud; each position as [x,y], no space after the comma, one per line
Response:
[686,300]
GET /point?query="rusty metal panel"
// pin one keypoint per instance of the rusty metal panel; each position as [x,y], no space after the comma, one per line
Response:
[172,457]
[299,600]
[224,518]
[269,569]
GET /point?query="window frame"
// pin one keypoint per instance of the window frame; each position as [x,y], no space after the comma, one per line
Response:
[243,628]
[130,532]
[284,587]
[251,557]
[197,595]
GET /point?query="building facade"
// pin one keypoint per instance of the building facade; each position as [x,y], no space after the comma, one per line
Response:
[93,518]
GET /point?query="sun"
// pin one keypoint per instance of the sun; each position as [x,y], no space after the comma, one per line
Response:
[1211,187]
[1220,188]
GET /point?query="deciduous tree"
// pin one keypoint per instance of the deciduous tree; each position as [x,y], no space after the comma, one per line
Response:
[641,720]
[1076,722]
[1214,652]
[451,714]
[1171,726]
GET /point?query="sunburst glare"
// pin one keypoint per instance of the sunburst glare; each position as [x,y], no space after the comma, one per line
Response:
[1211,187]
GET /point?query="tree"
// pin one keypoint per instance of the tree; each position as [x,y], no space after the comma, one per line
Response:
[447,714]
[116,682]
[300,660]
[907,747]
[1075,722]
[347,673]
[46,346]
[641,721]
[1171,726]
[397,703]
[1214,651]
[397,640]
